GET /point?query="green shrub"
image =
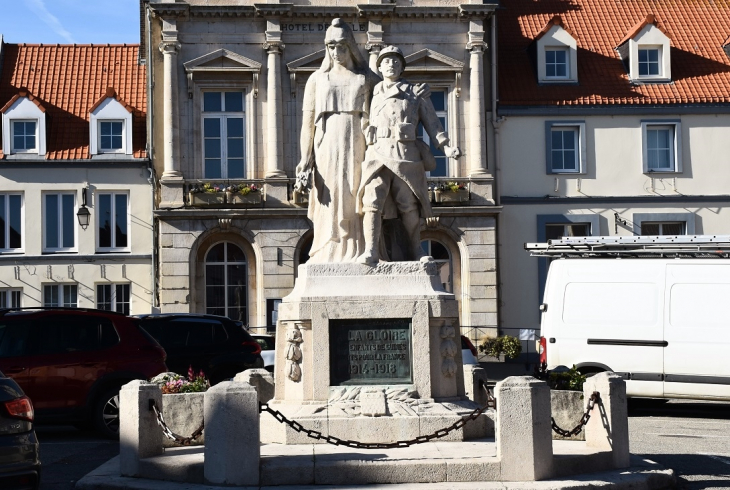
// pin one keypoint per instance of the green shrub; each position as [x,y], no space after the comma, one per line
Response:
[510,346]
[566,380]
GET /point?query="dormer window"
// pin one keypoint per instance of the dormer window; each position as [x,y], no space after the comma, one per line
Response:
[649,62]
[110,125]
[557,53]
[645,52]
[556,62]
[111,136]
[24,137]
[24,122]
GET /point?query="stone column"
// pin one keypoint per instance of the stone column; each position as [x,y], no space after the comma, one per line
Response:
[232,435]
[274,107]
[523,432]
[139,435]
[477,101]
[169,49]
[608,427]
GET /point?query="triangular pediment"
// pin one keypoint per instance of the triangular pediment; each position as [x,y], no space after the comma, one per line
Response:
[430,60]
[222,60]
[308,63]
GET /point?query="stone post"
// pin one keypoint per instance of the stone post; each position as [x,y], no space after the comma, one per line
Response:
[169,48]
[477,101]
[139,435]
[608,427]
[232,440]
[260,379]
[274,108]
[523,432]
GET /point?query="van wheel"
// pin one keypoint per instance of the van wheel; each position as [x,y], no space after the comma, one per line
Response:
[105,414]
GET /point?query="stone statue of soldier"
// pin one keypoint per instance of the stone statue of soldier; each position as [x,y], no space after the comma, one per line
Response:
[396,162]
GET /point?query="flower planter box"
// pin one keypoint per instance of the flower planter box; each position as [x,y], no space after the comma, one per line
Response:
[207,198]
[461,195]
[183,414]
[239,199]
[567,409]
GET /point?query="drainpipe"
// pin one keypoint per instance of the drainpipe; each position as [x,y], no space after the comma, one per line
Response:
[496,121]
[150,152]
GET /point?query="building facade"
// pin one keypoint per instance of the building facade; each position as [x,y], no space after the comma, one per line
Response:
[227,83]
[628,127]
[75,192]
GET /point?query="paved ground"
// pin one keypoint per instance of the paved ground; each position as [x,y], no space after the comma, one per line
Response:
[691,437]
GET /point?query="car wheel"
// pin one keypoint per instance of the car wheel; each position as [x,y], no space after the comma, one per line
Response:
[106,413]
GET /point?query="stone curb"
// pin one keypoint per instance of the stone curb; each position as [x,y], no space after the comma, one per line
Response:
[643,474]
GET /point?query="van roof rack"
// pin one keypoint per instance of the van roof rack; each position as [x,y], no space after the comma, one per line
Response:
[677,246]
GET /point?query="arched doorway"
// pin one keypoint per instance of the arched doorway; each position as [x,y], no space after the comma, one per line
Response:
[226,281]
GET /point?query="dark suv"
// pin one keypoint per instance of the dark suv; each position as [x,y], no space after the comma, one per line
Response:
[71,362]
[216,344]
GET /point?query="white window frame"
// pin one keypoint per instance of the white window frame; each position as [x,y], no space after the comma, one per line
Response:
[110,110]
[580,146]
[675,145]
[5,203]
[225,263]
[60,290]
[8,295]
[101,149]
[445,114]
[15,150]
[222,116]
[557,38]
[97,224]
[658,50]
[650,37]
[561,49]
[24,110]
[59,196]
[114,300]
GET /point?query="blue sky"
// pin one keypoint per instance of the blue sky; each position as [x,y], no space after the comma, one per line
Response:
[70,21]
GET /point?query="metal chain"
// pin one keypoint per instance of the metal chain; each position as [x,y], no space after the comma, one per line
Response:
[336,441]
[185,441]
[595,398]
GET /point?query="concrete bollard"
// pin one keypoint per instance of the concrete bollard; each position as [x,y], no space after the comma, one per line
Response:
[260,379]
[523,432]
[608,427]
[139,435]
[474,378]
[232,440]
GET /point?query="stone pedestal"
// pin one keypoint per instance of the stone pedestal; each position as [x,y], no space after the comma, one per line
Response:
[371,354]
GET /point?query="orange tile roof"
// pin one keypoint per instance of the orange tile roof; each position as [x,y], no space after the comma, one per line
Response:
[67,80]
[697,30]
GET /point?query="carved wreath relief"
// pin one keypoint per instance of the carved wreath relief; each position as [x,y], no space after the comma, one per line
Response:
[448,351]
[294,353]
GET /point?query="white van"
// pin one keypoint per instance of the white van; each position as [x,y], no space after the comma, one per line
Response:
[663,323]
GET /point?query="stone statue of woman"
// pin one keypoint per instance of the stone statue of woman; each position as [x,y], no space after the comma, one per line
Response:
[335,107]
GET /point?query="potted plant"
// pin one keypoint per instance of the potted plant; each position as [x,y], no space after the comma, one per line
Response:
[451,192]
[182,403]
[206,194]
[243,194]
[506,345]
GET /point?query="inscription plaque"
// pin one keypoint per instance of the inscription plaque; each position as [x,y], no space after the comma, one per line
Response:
[370,352]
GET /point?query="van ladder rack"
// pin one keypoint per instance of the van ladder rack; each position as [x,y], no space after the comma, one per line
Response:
[689,246]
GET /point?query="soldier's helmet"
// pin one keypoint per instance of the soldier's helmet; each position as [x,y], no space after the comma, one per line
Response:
[391,50]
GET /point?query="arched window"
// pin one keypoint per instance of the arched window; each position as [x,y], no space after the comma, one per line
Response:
[442,257]
[226,290]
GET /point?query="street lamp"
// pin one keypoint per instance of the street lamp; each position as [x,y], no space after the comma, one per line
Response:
[83,213]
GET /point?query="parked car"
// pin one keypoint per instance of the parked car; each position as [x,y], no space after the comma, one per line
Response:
[71,362]
[217,345]
[268,346]
[468,351]
[20,464]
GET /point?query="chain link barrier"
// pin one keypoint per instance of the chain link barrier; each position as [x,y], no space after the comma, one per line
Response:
[185,441]
[336,441]
[595,398]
